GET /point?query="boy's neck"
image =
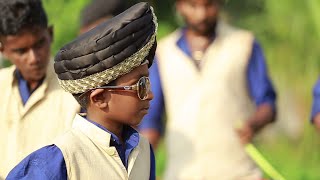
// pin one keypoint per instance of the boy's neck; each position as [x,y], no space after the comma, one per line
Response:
[33,85]
[114,127]
[198,42]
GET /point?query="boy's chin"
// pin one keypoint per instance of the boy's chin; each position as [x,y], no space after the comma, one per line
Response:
[135,123]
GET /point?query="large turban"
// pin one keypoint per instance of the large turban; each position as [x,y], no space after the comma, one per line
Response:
[112,49]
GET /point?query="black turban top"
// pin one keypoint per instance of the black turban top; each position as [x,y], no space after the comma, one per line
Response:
[112,49]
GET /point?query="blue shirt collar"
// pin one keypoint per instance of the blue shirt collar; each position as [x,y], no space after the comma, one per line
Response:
[24,88]
[130,138]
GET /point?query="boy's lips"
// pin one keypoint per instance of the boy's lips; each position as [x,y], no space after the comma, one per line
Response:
[145,109]
[37,68]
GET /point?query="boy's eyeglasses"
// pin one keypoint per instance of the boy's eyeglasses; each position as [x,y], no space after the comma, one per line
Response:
[142,87]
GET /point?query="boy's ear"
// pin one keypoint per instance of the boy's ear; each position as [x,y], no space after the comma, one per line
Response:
[99,98]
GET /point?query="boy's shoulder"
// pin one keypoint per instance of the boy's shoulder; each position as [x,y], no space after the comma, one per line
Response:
[75,138]
[8,71]
[144,143]
[6,76]
[38,164]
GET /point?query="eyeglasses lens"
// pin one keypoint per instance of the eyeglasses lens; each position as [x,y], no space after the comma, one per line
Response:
[144,87]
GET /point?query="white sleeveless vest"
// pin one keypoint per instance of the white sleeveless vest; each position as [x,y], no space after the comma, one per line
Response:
[88,155]
[25,128]
[203,107]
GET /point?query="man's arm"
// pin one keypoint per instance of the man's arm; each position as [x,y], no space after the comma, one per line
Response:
[263,94]
[315,113]
[152,126]
[316,121]
[45,163]
[263,115]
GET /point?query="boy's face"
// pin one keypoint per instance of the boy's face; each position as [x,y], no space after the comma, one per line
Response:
[29,50]
[125,107]
[199,15]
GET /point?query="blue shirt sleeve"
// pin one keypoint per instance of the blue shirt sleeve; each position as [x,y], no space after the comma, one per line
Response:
[45,163]
[152,164]
[153,120]
[316,100]
[260,86]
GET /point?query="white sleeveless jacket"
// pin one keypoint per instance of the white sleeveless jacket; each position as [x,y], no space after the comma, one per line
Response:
[87,155]
[25,128]
[203,107]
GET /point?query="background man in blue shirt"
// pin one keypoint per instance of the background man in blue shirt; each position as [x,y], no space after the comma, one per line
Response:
[199,34]
[259,84]
[315,113]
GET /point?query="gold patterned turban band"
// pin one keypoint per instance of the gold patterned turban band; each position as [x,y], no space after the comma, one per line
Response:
[112,49]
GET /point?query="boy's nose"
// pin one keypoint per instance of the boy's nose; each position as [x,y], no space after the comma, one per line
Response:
[150,95]
[33,57]
[200,13]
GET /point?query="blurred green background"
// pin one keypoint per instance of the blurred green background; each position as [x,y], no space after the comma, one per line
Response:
[289,32]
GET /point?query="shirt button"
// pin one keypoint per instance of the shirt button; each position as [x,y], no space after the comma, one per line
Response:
[111,152]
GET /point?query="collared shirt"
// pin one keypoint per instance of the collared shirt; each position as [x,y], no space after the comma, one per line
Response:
[24,88]
[316,100]
[48,162]
[259,85]
[131,138]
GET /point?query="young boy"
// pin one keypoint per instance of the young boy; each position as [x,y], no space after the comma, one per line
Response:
[33,108]
[106,69]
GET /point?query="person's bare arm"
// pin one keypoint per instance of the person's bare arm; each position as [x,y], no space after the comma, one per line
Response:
[263,115]
[316,121]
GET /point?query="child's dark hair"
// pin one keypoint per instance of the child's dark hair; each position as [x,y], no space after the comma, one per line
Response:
[99,9]
[18,14]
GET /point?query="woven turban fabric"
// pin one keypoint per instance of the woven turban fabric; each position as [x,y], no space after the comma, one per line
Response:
[112,49]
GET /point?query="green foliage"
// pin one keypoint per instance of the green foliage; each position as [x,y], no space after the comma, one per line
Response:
[161,157]
[288,30]
[64,15]
[295,159]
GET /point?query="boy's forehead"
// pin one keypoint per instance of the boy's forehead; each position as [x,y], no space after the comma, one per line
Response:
[25,37]
[35,30]
[142,70]
[134,75]
[31,30]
